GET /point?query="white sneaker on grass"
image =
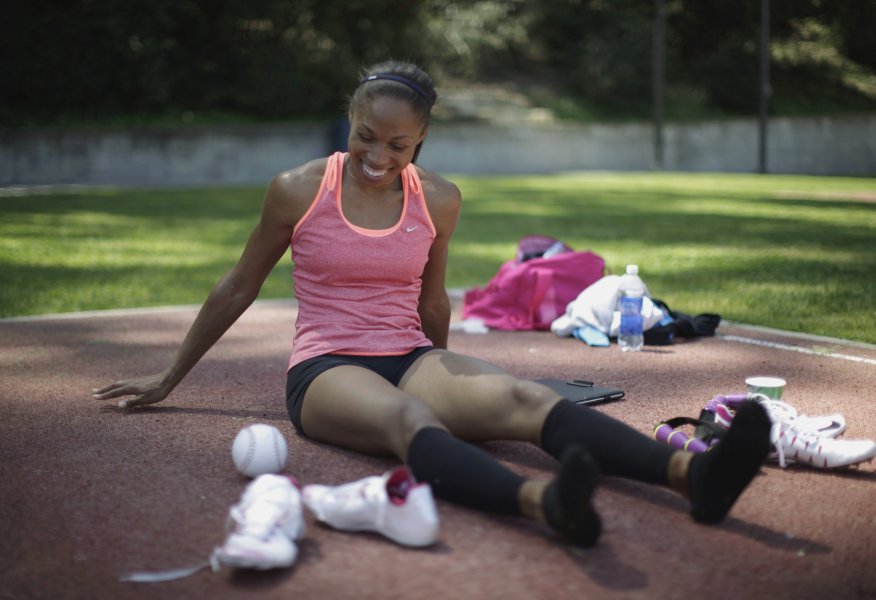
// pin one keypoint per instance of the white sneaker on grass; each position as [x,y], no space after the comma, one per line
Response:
[264,525]
[392,504]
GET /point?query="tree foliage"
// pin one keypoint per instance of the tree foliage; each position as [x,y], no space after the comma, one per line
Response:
[292,59]
[266,58]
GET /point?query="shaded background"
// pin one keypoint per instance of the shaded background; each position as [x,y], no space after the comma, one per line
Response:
[184,61]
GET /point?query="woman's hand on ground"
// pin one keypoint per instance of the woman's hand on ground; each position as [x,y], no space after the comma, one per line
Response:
[145,390]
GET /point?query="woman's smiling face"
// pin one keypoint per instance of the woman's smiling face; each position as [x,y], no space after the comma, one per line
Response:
[384,134]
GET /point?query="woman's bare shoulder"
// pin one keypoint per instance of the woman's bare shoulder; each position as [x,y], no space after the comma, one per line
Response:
[440,192]
[292,192]
[301,181]
[443,201]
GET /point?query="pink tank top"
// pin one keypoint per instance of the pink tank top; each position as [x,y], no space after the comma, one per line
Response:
[358,289]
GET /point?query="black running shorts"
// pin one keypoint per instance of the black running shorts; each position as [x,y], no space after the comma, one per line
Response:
[299,377]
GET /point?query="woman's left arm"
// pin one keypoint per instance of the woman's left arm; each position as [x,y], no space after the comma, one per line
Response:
[444,202]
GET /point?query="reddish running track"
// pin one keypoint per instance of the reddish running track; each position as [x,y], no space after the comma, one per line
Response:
[90,492]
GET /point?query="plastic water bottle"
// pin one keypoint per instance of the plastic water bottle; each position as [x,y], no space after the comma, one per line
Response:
[632,290]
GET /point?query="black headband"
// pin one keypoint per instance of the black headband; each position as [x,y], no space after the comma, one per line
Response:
[404,81]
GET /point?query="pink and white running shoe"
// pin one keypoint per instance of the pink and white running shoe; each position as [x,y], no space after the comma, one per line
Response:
[799,438]
[812,440]
[724,407]
[264,525]
[392,504]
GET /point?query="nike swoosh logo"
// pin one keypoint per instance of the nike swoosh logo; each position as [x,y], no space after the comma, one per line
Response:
[410,229]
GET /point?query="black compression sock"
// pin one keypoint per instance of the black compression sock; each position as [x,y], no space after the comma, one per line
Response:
[566,501]
[717,478]
[462,473]
[618,449]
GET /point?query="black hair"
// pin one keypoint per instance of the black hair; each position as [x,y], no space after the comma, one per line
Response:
[397,79]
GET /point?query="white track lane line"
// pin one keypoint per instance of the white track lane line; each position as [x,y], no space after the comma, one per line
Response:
[800,349]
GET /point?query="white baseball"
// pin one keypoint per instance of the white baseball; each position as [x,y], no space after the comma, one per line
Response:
[259,449]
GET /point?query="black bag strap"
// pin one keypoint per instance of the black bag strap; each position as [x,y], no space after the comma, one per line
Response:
[706,431]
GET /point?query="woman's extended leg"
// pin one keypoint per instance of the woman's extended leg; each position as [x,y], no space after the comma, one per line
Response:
[713,480]
[355,408]
[478,401]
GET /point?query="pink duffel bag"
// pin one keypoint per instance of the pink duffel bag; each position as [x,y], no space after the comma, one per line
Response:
[531,290]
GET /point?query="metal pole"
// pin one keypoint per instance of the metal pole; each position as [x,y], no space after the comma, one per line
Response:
[765,90]
[658,79]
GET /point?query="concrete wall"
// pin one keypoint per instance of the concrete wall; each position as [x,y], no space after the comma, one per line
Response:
[152,157]
[252,155]
[811,146]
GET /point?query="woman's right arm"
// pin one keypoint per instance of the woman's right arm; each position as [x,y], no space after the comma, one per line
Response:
[285,202]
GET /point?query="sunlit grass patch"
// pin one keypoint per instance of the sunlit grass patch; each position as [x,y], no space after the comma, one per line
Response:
[779,251]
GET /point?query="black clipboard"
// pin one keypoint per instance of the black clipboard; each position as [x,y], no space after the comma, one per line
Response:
[580,391]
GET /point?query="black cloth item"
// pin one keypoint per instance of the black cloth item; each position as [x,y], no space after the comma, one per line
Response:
[682,325]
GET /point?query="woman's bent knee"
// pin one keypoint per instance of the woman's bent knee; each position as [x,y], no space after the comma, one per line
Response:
[532,396]
[531,404]
[502,409]
[413,415]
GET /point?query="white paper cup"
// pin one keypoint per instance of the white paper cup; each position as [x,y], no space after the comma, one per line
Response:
[771,387]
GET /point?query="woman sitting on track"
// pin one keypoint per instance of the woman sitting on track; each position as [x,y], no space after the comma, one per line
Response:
[370,369]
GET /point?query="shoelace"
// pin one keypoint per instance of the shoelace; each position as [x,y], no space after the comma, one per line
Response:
[351,499]
[261,528]
[806,437]
[241,525]
[371,493]
[781,411]
[784,419]
[785,428]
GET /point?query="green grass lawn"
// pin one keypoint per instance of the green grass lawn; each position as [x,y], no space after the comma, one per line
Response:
[796,253]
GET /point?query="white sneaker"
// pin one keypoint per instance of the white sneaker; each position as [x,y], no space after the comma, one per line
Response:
[799,438]
[264,525]
[828,426]
[393,504]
